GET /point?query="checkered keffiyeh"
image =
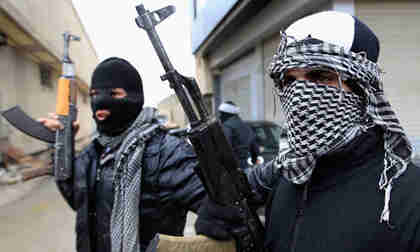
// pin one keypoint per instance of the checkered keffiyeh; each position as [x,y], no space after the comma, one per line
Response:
[376,108]
[125,236]
[319,120]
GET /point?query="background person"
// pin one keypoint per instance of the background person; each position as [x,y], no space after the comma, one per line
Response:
[239,134]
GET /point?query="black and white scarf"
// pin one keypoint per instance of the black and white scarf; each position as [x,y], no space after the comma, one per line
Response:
[297,164]
[319,120]
[125,236]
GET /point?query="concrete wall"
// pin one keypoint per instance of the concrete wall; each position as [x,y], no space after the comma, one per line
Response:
[173,110]
[271,112]
[270,20]
[259,35]
[45,21]
[396,23]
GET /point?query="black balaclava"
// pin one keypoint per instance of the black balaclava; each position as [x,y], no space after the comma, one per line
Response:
[116,73]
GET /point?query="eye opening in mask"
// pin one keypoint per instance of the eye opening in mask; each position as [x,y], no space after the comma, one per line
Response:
[114,92]
[118,93]
[315,75]
[93,92]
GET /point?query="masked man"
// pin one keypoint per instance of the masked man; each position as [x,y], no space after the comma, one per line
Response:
[347,182]
[239,134]
[134,179]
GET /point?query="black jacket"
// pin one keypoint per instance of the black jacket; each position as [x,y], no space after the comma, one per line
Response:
[169,189]
[241,138]
[340,208]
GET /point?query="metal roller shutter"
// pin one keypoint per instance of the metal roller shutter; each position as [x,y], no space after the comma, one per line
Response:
[235,84]
[396,23]
[270,47]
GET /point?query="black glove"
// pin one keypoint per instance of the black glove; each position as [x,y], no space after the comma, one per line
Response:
[218,222]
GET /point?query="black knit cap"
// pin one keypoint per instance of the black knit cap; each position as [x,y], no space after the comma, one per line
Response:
[118,73]
[365,41]
[337,28]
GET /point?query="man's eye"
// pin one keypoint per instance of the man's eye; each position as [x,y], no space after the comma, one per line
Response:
[321,76]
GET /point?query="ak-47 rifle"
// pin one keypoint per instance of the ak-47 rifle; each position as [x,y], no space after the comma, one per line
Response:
[67,112]
[219,169]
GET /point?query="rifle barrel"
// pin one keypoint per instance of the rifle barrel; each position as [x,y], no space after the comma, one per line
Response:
[144,21]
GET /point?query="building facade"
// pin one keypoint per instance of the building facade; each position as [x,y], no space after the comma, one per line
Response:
[234,41]
[31,47]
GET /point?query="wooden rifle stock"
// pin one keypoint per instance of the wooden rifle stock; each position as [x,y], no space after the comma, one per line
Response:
[66,109]
[67,112]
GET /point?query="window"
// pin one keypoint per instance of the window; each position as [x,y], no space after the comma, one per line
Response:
[45,76]
[3,39]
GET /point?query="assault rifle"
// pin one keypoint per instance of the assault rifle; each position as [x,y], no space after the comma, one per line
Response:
[219,170]
[67,112]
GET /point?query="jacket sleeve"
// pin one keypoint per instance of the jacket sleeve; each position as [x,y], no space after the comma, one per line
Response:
[253,149]
[416,235]
[177,164]
[74,188]
[262,179]
[228,133]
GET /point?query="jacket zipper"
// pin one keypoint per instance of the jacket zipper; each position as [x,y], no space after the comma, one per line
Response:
[299,216]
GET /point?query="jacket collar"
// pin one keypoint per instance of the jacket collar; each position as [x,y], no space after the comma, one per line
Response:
[353,159]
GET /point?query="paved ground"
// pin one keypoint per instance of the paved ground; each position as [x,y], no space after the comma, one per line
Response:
[35,218]
[17,191]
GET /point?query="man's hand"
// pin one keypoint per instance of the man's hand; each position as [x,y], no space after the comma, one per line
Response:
[218,222]
[52,123]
